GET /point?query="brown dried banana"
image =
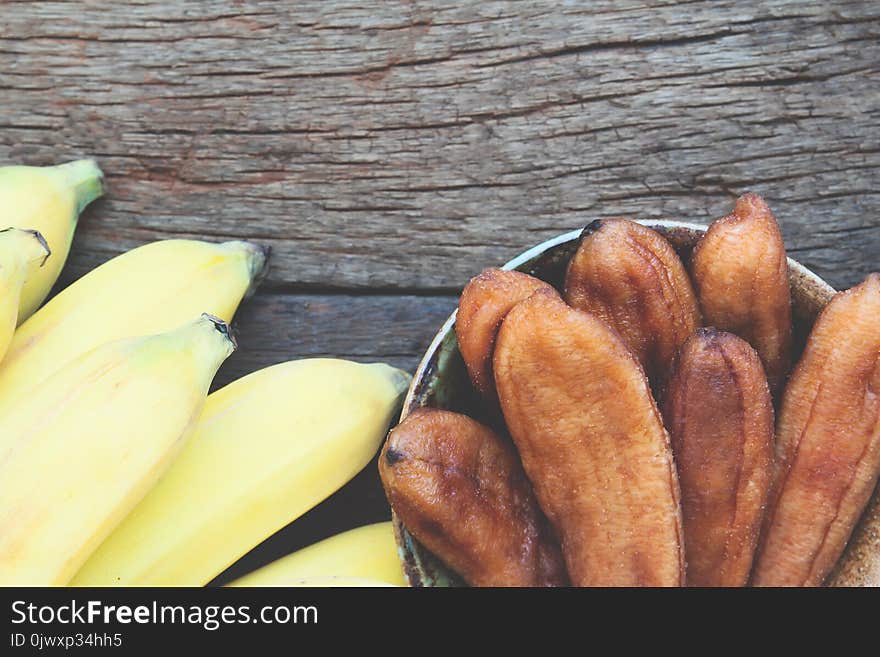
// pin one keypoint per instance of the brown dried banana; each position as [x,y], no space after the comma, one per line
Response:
[719,415]
[484,303]
[629,276]
[740,273]
[461,491]
[828,443]
[592,442]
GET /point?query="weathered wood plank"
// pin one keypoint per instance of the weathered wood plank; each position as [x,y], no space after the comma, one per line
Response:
[405,145]
[272,328]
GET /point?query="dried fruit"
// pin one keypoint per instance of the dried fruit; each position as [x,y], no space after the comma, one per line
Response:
[484,303]
[629,276]
[741,277]
[828,443]
[719,415]
[592,442]
[460,490]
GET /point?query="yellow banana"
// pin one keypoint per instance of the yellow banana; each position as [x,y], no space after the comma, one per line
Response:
[19,249]
[267,449]
[151,289]
[84,447]
[50,200]
[367,552]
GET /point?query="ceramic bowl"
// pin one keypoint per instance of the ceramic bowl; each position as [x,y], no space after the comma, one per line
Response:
[441,380]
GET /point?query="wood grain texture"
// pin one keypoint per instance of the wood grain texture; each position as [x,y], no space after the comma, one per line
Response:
[405,145]
[398,148]
[272,328]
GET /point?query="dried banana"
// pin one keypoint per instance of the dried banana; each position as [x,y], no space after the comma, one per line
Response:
[719,415]
[580,411]
[741,276]
[828,443]
[629,276]
[484,302]
[460,489]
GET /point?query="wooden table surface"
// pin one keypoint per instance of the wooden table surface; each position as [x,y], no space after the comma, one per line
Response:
[388,151]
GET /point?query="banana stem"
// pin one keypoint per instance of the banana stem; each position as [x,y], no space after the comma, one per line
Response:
[86,180]
[257,257]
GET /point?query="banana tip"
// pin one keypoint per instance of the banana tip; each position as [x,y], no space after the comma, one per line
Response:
[36,236]
[258,264]
[86,180]
[591,228]
[43,244]
[392,456]
[708,332]
[223,328]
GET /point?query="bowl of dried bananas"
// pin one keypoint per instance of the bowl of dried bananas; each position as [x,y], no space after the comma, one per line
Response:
[645,403]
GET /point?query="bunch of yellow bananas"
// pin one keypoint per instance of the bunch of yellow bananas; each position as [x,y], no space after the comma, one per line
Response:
[116,466]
